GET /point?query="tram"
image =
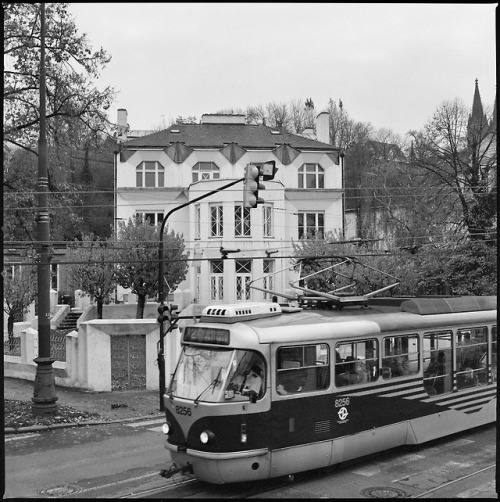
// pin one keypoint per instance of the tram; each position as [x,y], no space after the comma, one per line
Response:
[263,390]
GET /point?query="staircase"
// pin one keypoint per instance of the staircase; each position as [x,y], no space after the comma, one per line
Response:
[69,322]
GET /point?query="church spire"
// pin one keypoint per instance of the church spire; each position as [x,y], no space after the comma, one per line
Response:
[477,119]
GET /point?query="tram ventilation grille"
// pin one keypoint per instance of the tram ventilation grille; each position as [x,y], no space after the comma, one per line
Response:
[323,426]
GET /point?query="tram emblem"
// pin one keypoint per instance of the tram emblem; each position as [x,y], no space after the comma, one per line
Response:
[342,413]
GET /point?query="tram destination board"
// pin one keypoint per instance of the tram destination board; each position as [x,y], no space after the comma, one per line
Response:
[206,335]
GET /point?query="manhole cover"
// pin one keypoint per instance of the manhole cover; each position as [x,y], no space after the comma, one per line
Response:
[383,492]
[61,491]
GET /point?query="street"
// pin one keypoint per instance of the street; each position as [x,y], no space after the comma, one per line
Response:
[123,460]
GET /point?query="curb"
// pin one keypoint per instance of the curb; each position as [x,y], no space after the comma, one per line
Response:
[41,428]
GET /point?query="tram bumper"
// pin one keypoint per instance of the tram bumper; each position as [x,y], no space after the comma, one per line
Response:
[221,468]
[173,469]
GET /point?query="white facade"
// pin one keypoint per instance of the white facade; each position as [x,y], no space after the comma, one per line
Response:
[216,221]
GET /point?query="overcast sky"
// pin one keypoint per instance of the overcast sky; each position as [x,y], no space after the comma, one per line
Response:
[390,64]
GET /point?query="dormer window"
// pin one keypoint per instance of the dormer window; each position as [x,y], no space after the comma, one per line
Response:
[150,175]
[205,171]
[311,176]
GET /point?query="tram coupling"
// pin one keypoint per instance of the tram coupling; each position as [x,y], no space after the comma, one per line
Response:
[173,469]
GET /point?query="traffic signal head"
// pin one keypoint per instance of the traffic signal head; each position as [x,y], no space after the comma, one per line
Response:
[167,312]
[268,170]
[252,186]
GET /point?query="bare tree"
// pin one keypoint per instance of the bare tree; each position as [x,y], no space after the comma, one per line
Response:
[461,155]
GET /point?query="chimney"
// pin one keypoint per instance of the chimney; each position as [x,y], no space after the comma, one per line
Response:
[122,118]
[323,127]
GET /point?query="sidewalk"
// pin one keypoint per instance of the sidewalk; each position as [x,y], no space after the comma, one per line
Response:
[111,406]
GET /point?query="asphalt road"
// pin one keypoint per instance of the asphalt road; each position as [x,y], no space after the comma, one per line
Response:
[123,460]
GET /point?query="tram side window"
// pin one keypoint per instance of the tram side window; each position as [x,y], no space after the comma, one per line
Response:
[472,357]
[437,362]
[494,354]
[401,356]
[356,362]
[302,368]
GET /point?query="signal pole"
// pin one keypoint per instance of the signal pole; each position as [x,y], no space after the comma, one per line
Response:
[44,392]
[161,296]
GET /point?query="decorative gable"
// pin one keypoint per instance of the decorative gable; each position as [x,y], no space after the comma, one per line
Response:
[286,154]
[233,152]
[178,152]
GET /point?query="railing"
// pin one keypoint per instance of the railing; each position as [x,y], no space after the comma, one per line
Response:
[12,345]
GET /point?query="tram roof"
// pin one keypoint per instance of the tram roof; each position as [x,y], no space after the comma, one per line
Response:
[378,317]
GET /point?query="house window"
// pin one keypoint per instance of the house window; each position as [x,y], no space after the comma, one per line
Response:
[311,176]
[197,221]
[216,223]
[267,212]
[268,269]
[243,278]
[311,225]
[151,218]
[241,221]
[205,171]
[150,175]
[216,280]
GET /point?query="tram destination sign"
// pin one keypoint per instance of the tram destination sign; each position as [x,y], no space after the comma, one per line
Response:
[206,335]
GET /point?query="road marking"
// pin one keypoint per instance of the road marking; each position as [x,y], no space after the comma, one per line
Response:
[14,437]
[146,422]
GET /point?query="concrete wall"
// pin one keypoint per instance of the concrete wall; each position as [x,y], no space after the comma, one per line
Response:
[88,354]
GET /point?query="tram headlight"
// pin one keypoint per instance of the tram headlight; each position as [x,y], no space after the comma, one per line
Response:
[166,428]
[207,436]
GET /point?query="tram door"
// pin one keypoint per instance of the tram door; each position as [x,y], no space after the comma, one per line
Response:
[301,418]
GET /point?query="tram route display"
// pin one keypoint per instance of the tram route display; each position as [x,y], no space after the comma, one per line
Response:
[262,391]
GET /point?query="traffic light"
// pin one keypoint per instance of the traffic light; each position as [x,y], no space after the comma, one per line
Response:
[167,312]
[268,170]
[252,186]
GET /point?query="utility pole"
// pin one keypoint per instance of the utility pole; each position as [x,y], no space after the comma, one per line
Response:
[44,392]
[161,318]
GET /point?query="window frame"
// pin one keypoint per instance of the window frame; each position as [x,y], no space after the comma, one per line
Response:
[311,174]
[372,370]
[143,173]
[242,221]
[267,220]
[298,375]
[393,347]
[216,220]
[303,227]
[210,171]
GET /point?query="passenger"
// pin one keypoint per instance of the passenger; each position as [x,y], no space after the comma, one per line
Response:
[436,367]
[356,372]
[467,378]
[436,370]
[400,366]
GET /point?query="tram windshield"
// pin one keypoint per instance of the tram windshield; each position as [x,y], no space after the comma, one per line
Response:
[217,375]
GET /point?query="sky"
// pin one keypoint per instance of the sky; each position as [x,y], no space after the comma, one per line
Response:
[391,65]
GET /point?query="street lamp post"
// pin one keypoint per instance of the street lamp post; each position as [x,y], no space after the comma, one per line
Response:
[161,358]
[44,395]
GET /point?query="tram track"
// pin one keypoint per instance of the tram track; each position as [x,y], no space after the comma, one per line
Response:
[197,488]
[453,481]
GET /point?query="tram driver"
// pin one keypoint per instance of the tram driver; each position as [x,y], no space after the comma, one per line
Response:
[253,381]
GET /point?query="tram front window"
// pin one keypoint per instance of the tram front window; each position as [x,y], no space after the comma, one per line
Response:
[218,375]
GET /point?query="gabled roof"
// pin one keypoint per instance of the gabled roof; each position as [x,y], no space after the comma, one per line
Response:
[218,135]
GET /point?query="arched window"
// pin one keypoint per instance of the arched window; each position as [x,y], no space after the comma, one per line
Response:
[150,174]
[205,171]
[311,176]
